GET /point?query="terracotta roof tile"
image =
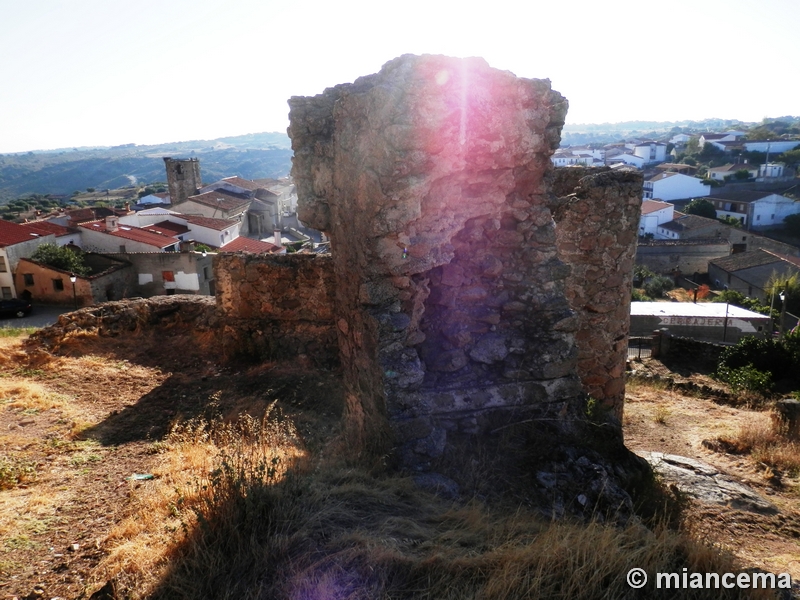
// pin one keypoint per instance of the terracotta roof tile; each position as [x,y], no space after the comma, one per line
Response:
[47,227]
[649,206]
[227,201]
[243,244]
[135,234]
[208,222]
[13,233]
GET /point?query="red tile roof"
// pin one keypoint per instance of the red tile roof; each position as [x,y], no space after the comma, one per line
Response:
[649,206]
[242,183]
[167,228]
[135,234]
[226,201]
[47,227]
[243,244]
[12,233]
[208,222]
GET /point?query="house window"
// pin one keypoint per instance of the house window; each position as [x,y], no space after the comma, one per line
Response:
[729,277]
[7,293]
[58,285]
[122,248]
[205,273]
[758,217]
[28,277]
[168,275]
[3,267]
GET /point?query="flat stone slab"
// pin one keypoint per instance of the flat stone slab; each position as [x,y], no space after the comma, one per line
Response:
[706,483]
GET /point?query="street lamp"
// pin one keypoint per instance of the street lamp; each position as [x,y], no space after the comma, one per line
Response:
[73,279]
[782,296]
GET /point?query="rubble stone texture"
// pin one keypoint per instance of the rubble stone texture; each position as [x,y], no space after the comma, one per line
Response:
[596,229]
[432,180]
[277,307]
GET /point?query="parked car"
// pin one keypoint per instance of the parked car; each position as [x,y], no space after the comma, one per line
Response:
[14,307]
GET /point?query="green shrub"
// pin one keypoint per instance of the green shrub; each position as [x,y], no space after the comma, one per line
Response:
[746,379]
[656,286]
[771,356]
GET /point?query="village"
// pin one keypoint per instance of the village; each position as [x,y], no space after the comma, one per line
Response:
[163,244]
[735,242]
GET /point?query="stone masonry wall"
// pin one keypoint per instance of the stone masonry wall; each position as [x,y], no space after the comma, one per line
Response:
[596,227]
[429,178]
[277,306]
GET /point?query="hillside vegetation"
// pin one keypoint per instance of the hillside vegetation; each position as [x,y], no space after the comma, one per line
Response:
[252,156]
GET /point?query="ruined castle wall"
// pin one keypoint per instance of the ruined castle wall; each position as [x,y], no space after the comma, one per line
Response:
[429,179]
[596,227]
[277,307]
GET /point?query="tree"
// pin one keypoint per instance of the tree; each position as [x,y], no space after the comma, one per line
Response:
[792,224]
[61,258]
[702,208]
[788,285]
[791,158]
[731,221]
[742,174]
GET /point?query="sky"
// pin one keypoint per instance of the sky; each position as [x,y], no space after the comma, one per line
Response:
[108,72]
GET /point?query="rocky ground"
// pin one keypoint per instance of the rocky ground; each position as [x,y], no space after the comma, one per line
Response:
[678,413]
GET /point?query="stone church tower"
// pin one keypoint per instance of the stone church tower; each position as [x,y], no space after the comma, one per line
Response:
[183,178]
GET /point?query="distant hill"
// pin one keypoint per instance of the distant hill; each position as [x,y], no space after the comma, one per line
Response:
[606,133]
[62,171]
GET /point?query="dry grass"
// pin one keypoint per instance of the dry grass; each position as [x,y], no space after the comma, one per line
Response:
[340,533]
[761,438]
[166,509]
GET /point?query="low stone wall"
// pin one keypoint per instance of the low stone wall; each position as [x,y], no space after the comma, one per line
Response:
[693,351]
[126,316]
[277,307]
[690,256]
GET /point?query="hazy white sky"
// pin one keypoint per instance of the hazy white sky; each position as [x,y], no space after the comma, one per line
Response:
[107,72]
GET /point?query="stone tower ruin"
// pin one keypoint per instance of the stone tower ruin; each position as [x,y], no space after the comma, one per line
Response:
[460,301]
[183,178]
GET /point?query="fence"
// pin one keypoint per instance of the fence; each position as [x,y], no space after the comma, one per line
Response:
[640,347]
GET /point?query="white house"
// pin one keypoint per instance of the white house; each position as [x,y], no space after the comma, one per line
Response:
[112,236]
[679,139]
[197,228]
[730,136]
[566,158]
[628,158]
[674,186]
[771,170]
[204,230]
[755,210]
[771,146]
[157,198]
[729,171]
[654,213]
[651,152]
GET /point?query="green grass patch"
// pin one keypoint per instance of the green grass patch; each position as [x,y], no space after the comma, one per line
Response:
[14,332]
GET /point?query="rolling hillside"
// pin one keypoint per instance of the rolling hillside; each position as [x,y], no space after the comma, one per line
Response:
[63,171]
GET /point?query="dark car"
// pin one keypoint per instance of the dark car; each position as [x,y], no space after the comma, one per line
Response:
[14,307]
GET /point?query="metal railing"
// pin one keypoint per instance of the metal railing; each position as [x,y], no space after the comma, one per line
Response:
[640,347]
